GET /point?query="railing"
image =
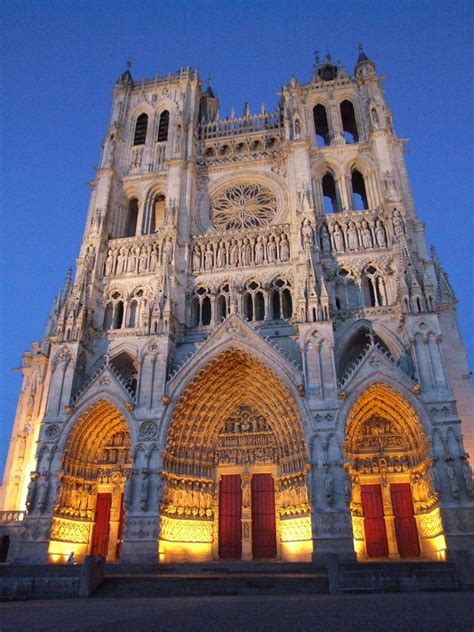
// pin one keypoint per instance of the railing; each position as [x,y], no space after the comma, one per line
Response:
[11,516]
[240,125]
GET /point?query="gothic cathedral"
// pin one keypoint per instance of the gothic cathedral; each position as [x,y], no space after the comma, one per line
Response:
[257,357]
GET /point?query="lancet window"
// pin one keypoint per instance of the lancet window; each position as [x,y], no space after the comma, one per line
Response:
[321,126]
[373,283]
[201,309]
[140,130]
[331,199]
[223,303]
[349,124]
[359,193]
[282,306]
[131,220]
[346,290]
[163,126]
[253,302]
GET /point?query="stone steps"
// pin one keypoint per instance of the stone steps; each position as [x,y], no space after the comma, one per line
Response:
[235,578]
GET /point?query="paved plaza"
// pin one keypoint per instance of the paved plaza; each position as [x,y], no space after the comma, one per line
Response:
[433,612]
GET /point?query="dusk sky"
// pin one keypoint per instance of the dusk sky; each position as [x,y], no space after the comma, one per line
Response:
[61,59]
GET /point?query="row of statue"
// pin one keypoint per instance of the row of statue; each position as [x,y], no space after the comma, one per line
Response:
[138,259]
[352,236]
[293,495]
[189,497]
[240,252]
[76,501]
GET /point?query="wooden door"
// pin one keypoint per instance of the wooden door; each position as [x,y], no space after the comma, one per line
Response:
[263,516]
[374,523]
[230,514]
[100,538]
[405,523]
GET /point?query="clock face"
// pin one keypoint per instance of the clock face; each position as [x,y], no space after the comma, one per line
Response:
[243,206]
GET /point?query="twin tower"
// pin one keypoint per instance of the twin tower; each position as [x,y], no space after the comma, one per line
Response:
[257,357]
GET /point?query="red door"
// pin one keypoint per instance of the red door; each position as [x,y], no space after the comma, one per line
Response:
[263,516]
[230,514]
[100,539]
[405,524]
[374,523]
[120,527]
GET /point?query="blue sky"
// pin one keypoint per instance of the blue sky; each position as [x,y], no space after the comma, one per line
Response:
[59,61]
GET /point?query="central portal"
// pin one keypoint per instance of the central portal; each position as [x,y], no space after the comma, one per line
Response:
[247,530]
[235,468]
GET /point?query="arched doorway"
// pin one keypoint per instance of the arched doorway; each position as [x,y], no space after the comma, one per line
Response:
[394,507]
[88,513]
[235,468]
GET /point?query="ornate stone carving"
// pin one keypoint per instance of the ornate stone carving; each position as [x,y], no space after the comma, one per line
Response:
[243,206]
[51,432]
[148,430]
[70,531]
[295,529]
[380,435]
[175,530]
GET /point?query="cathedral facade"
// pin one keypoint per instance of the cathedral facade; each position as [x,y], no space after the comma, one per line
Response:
[257,356]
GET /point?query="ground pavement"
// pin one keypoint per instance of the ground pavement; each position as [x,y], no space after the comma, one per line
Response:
[430,612]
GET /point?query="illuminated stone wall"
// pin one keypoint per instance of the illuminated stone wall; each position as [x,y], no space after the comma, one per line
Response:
[253,294]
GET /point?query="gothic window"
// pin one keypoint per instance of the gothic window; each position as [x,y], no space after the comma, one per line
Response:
[132,314]
[118,315]
[140,130]
[163,126]
[201,308]
[243,206]
[373,284]
[108,316]
[321,125]
[359,194]
[132,217]
[126,366]
[349,124]
[253,302]
[223,303]
[356,346]
[330,194]
[346,291]
[281,302]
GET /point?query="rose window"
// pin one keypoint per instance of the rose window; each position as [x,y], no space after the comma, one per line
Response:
[243,206]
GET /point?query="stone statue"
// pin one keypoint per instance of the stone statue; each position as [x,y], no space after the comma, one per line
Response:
[380,234]
[338,238]
[196,258]
[307,232]
[284,248]
[129,489]
[366,236]
[397,222]
[246,252]
[452,479]
[43,491]
[259,251]
[271,250]
[30,495]
[208,258]
[325,240]
[245,492]
[109,263]
[220,258]
[467,475]
[352,238]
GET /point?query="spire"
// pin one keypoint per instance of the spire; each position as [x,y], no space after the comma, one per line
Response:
[126,77]
[362,56]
